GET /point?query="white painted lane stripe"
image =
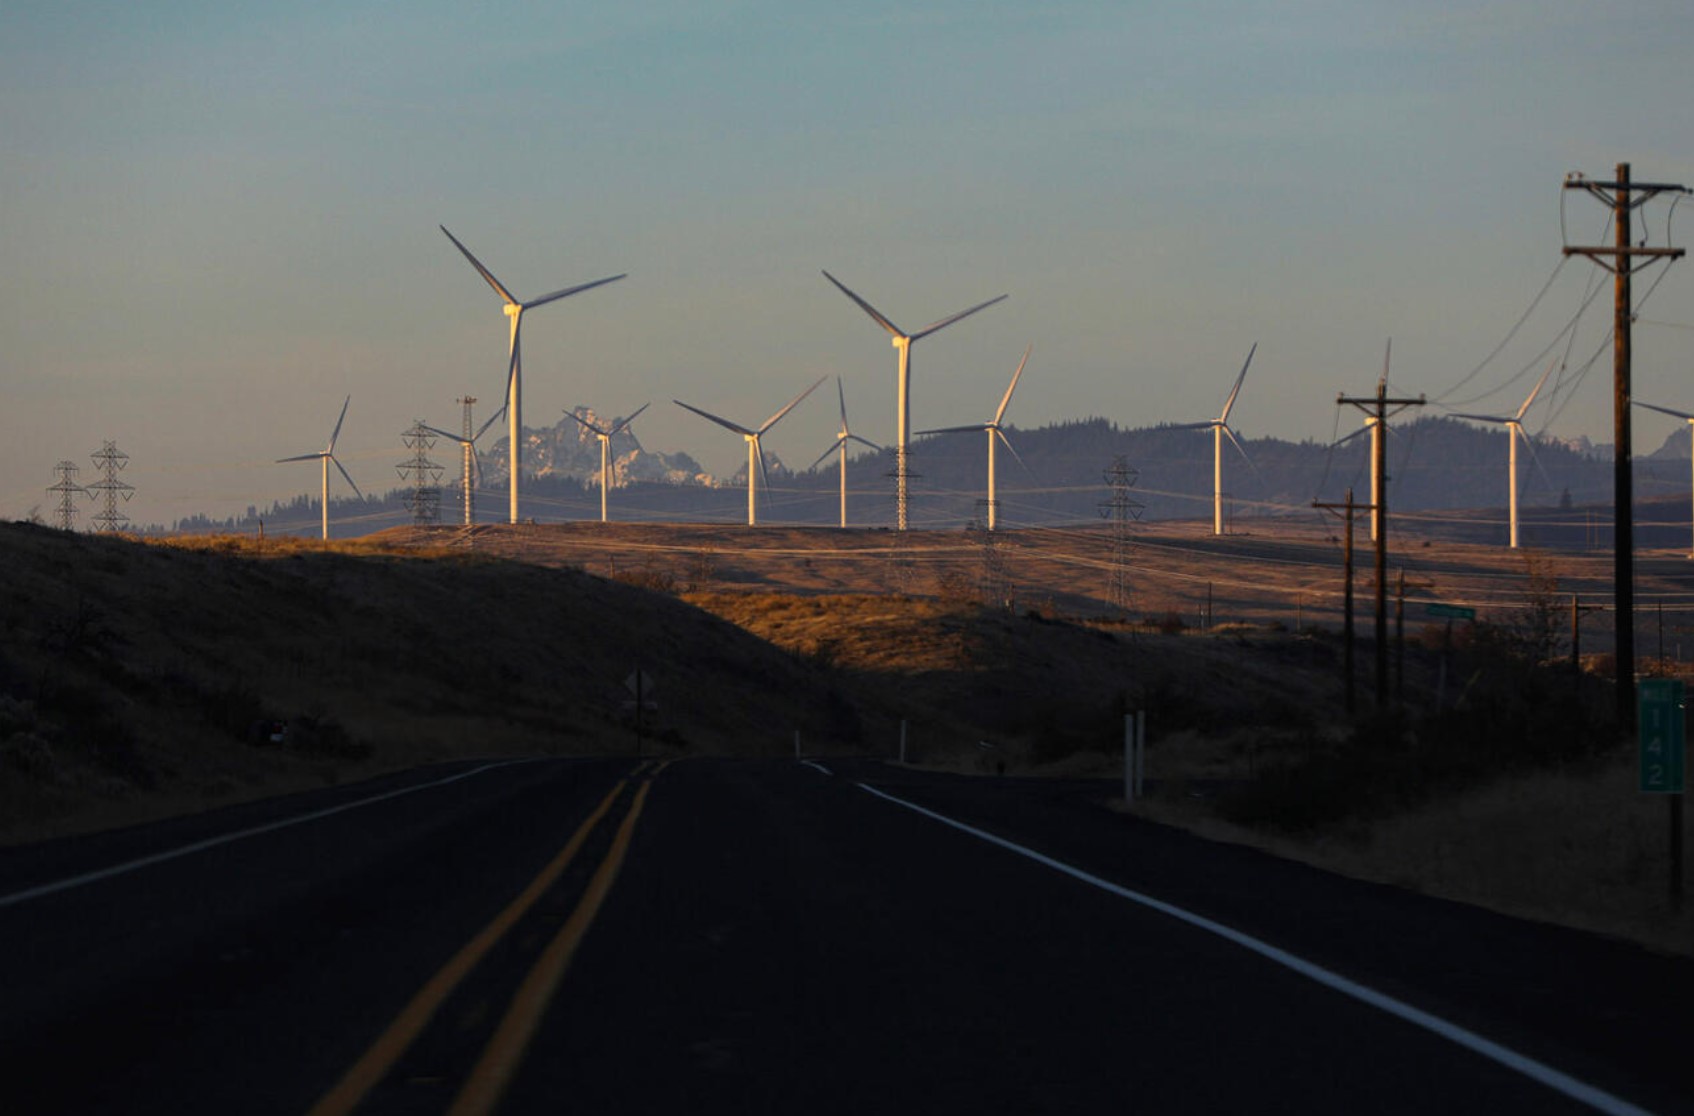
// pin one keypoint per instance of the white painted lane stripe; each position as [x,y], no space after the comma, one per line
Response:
[1537,1071]
[213,842]
[816,767]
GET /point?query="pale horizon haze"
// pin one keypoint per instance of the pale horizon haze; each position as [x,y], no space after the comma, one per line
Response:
[218,220]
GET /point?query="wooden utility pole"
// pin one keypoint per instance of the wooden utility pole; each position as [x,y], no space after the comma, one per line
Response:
[1348,510]
[1376,407]
[1624,198]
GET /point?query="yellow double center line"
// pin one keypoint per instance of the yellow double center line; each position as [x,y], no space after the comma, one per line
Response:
[501,1058]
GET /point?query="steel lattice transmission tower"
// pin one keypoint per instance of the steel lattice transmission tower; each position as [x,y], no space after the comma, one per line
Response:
[1121,510]
[68,490]
[111,461]
[994,578]
[424,476]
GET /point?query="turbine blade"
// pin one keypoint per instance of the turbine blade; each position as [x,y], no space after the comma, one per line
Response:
[1482,418]
[949,320]
[460,438]
[792,403]
[1207,425]
[1529,444]
[840,444]
[482,271]
[764,474]
[1242,450]
[1006,402]
[875,314]
[303,457]
[1663,410]
[1007,442]
[623,424]
[492,419]
[1550,366]
[725,423]
[864,441]
[568,291]
[512,365]
[337,432]
[348,477]
[1343,441]
[976,429]
[585,424]
[841,393]
[1236,390]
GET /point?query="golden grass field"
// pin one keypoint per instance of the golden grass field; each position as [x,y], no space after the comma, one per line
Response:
[135,673]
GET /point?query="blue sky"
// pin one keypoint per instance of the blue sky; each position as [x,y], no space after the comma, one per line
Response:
[216,220]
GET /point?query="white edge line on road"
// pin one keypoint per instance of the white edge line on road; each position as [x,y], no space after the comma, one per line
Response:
[816,767]
[213,842]
[1511,1059]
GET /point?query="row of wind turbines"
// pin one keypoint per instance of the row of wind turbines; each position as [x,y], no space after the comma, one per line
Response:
[514,309]
[902,340]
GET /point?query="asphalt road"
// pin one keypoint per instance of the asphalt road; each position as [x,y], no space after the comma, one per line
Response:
[750,936]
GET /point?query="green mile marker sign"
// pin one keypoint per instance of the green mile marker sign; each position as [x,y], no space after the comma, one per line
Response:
[1659,705]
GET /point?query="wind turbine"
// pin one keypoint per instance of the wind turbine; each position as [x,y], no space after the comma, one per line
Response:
[470,467]
[605,437]
[324,457]
[1514,431]
[755,454]
[903,343]
[840,446]
[514,384]
[1681,415]
[995,433]
[1220,430]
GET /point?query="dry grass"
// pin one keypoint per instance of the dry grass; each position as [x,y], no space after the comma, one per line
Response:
[129,675]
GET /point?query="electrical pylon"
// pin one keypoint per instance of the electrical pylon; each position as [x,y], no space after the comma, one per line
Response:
[424,475]
[111,461]
[1121,510]
[68,490]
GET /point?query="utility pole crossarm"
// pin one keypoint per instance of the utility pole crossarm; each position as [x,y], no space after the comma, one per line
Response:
[1605,257]
[1647,190]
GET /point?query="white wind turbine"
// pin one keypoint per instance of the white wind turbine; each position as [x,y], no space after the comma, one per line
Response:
[471,468]
[514,384]
[1514,431]
[903,343]
[324,457]
[605,437]
[755,453]
[995,433]
[1220,430]
[1689,418]
[840,446]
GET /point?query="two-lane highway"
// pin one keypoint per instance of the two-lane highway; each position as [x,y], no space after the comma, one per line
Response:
[716,936]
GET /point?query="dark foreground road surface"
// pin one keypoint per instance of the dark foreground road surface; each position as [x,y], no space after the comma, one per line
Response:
[752,936]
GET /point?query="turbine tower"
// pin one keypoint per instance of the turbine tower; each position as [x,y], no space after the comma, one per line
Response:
[514,385]
[846,435]
[995,433]
[1514,431]
[903,344]
[470,467]
[605,437]
[755,453]
[1220,430]
[324,457]
[1689,418]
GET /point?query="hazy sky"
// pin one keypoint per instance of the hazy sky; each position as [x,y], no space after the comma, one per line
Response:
[218,219]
